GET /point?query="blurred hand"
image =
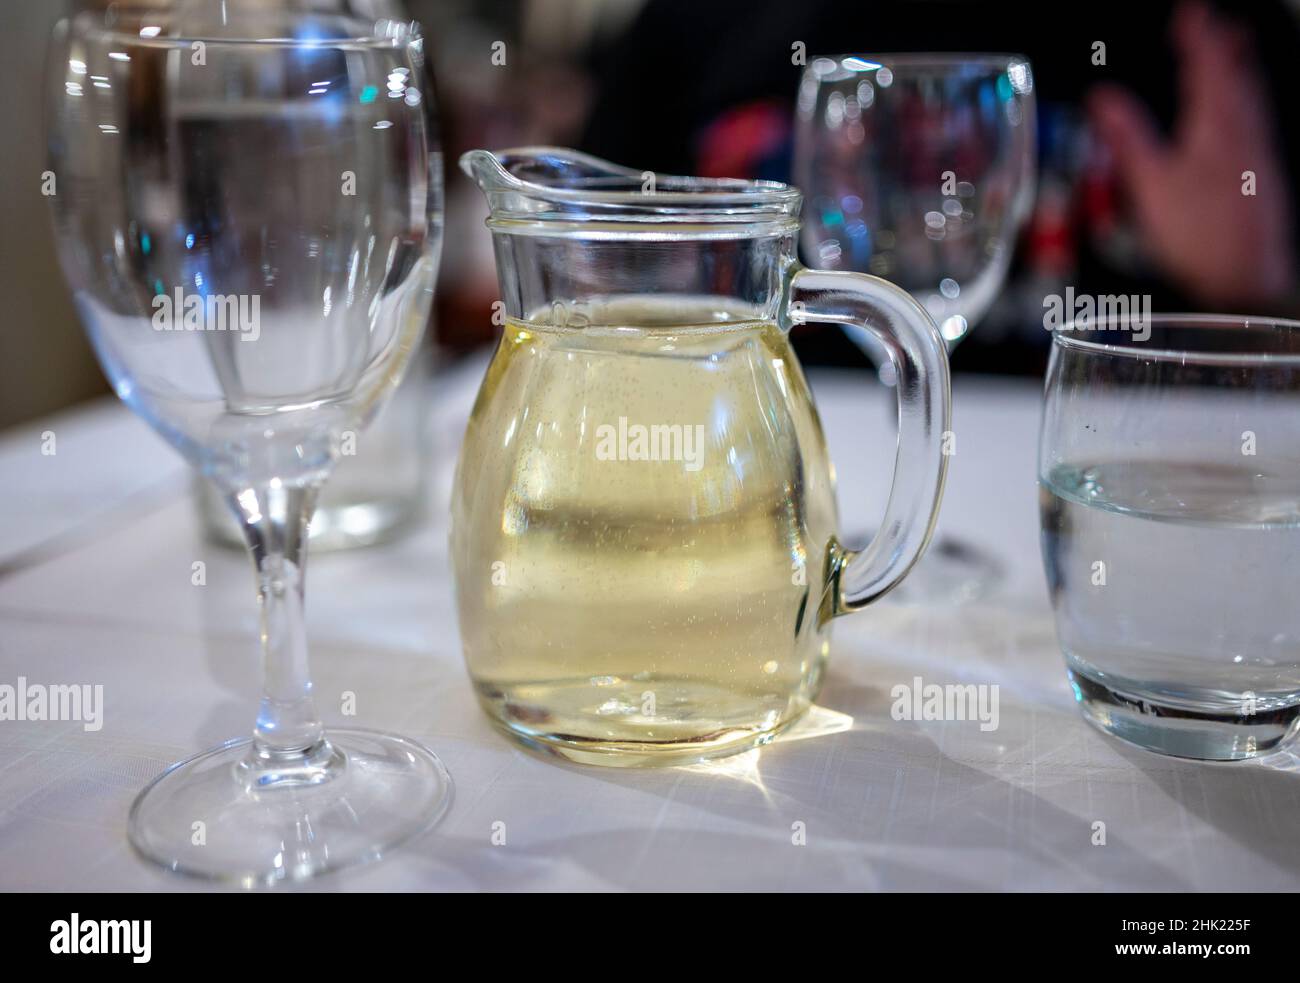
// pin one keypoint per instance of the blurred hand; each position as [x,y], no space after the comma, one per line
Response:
[1220,245]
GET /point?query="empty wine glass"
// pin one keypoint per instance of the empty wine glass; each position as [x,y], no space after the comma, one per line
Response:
[243,215]
[920,168]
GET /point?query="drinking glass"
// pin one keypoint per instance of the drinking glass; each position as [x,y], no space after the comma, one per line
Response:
[242,214]
[920,169]
[1169,484]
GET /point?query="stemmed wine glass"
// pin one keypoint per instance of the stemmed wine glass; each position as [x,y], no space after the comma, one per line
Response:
[920,168]
[244,214]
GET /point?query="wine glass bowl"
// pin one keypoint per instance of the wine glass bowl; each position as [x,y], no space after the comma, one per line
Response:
[918,168]
[275,185]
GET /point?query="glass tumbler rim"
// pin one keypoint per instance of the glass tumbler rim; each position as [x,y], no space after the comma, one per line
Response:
[1218,329]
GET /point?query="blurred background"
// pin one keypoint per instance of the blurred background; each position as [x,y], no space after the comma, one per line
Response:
[1139,158]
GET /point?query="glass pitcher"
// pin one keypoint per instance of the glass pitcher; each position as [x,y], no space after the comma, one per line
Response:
[644,519]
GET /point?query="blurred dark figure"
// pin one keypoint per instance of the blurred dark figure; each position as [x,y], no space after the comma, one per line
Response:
[1141,158]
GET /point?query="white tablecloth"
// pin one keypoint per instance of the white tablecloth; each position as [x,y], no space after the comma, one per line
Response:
[95,561]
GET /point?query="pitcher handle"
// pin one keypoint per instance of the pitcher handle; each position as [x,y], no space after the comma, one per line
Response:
[856,577]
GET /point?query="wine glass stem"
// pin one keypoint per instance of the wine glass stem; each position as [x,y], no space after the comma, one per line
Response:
[274,517]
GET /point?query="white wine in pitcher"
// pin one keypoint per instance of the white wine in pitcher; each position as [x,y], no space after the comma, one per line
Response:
[641,526]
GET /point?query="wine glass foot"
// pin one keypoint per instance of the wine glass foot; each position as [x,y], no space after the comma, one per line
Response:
[202,817]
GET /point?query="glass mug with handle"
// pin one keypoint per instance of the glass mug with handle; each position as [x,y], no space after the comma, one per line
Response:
[644,519]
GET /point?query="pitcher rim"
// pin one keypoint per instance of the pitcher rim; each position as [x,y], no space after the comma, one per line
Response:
[598,191]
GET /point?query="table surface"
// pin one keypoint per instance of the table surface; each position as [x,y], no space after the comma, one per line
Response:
[96,546]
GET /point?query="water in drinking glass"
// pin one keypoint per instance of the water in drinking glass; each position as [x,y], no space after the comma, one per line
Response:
[1188,597]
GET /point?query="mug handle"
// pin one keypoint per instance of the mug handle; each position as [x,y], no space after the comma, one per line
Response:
[856,577]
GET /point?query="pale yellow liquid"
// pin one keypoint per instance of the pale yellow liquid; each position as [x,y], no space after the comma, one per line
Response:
[636,611]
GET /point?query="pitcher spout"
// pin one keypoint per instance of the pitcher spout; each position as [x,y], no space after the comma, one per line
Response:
[485,170]
[544,167]
[542,179]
